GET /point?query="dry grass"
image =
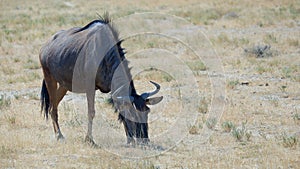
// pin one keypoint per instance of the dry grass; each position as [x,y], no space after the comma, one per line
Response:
[264,92]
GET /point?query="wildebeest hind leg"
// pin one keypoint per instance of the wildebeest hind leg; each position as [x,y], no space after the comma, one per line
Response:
[52,89]
[61,92]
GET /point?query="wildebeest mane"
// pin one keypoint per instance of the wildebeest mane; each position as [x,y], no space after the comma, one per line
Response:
[114,56]
[104,19]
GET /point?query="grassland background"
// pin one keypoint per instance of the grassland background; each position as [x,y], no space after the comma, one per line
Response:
[262,93]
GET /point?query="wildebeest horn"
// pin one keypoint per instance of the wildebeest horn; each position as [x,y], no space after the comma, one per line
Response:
[146,95]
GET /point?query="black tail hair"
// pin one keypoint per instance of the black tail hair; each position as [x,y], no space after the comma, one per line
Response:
[45,101]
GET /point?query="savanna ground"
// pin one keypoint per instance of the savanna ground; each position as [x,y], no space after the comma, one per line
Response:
[257,42]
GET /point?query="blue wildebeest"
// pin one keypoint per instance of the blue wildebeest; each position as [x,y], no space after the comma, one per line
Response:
[86,59]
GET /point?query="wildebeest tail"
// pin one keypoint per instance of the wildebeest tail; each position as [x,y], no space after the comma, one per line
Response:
[45,101]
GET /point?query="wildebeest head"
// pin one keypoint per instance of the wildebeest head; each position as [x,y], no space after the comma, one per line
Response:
[133,112]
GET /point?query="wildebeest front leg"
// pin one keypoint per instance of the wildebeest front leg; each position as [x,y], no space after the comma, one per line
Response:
[129,131]
[91,114]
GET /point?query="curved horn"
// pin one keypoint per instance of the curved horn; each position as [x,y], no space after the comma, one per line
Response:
[146,95]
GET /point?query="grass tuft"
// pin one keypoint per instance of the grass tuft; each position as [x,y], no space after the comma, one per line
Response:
[6,152]
[196,66]
[11,119]
[296,118]
[4,101]
[32,64]
[155,75]
[201,16]
[203,107]
[211,123]
[232,84]
[193,130]
[270,38]
[228,126]
[240,133]
[289,141]
[293,42]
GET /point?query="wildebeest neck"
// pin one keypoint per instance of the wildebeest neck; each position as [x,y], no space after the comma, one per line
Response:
[113,66]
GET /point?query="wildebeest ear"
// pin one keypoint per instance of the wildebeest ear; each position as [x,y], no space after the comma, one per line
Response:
[154,100]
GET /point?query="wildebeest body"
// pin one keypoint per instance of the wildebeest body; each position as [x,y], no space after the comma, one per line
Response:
[62,52]
[86,59]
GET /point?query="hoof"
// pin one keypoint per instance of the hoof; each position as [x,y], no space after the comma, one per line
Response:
[91,142]
[130,141]
[143,141]
[59,136]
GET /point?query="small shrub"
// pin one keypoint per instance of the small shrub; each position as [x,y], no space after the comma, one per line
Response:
[238,133]
[211,123]
[289,141]
[228,126]
[232,84]
[193,130]
[241,133]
